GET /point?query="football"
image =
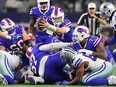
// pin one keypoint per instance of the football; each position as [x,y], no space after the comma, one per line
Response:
[38,23]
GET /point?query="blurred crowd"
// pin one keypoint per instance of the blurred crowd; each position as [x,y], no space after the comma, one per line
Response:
[69,6]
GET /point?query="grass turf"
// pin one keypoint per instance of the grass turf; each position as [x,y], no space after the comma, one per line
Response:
[28,85]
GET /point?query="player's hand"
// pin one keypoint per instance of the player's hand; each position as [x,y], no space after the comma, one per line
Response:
[44,24]
[85,51]
[14,37]
[65,82]
[93,15]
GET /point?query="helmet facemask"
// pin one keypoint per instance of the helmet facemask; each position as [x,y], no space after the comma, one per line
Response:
[43,5]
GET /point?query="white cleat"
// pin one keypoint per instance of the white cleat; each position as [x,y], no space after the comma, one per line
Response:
[112,80]
[3,81]
[24,71]
[35,80]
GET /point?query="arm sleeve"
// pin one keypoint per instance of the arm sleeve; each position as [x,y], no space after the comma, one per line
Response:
[52,46]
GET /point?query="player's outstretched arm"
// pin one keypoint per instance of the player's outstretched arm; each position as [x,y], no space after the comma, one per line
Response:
[79,73]
[52,46]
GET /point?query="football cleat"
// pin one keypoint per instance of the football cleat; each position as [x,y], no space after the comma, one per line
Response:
[35,80]
[112,80]
[21,73]
[3,81]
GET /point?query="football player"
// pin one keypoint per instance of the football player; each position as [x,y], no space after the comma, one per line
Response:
[20,44]
[108,12]
[8,64]
[44,10]
[59,25]
[87,43]
[5,34]
[47,68]
[97,70]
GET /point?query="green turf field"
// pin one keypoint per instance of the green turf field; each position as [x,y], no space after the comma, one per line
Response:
[28,85]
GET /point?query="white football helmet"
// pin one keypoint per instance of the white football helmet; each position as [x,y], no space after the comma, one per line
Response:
[68,55]
[43,6]
[80,33]
[57,12]
[6,23]
[106,10]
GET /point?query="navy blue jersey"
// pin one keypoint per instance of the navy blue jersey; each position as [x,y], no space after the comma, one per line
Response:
[41,36]
[91,43]
[50,67]
[16,47]
[67,37]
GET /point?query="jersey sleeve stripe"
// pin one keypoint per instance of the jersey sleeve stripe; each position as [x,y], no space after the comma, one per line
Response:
[67,25]
[7,67]
[96,42]
[78,62]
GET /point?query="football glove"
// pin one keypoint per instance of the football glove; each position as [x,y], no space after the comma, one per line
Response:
[65,82]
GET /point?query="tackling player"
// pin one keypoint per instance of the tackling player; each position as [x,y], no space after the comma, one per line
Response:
[8,64]
[85,43]
[20,44]
[97,70]
[47,68]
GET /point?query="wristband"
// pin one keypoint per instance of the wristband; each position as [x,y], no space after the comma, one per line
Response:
[52,28]
[89,52]
[8,37]
[30,34]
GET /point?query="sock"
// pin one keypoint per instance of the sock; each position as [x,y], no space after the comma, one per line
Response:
[96,82]
[9,79]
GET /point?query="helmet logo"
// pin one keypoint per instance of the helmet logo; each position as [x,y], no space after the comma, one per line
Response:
[56,11]
[8,21]
[2,23]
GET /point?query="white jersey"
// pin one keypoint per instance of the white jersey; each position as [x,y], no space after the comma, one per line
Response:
[13,60]
[113,21]
[94,62]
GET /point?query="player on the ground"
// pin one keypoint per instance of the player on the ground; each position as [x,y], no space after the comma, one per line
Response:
[97,70]
[47,68]
[8,64]
[20,44]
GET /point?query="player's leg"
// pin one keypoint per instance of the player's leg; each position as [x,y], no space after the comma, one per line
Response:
[5,71]
[40,70]
[99,76]
[24,71]
[35,80]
